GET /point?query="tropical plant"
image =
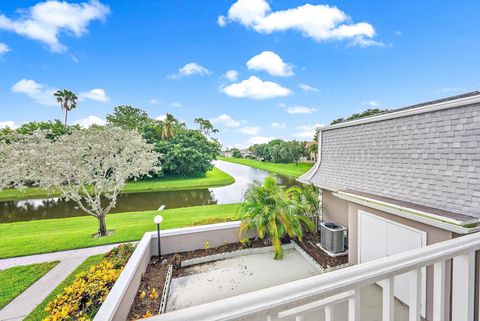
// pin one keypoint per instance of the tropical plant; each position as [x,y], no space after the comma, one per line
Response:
[128,117]
[169,127]
[89,167]
[365,113]
[309,198]
[206,126]
[274,212]
[67,100]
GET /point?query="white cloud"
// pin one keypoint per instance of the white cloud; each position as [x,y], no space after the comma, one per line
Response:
[231,75]
[271,63]
[161,117]
[307,88]
[89,121]
[45,21]
[97,94]
[4,48]
[10,124]
[372,103]
[41,93]
[398,33]
[300,110]
[306,131]
[448,90]
[256,88]
[153,101]
[279,125]
[176,104]
[226,120]
[365,42]
[252,130]
[259,140]
[320,22]
[190,69]
[221,21]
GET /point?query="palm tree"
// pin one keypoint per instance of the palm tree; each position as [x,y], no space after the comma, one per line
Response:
[273,212]
[169,127]
[67,100]
[309,198]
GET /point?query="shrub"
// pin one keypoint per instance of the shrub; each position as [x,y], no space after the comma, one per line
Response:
[82,299]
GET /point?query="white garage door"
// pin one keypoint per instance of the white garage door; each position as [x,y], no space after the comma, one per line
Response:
[379,237]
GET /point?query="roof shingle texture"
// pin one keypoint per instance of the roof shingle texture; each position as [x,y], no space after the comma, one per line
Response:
[431,159]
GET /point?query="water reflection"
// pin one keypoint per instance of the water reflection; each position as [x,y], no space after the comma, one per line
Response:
[38,209]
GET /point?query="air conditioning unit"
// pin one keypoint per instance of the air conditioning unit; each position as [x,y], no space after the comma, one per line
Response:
[332,237]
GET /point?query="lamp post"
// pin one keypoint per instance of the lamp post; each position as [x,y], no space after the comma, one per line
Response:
[158,220]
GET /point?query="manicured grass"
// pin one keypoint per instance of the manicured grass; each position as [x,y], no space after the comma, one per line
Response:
[39,313]
[294,170]
[15,280]
[213,178]
[33,237]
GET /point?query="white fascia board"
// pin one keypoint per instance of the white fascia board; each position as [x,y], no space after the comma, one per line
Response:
[422,217]
[407,112]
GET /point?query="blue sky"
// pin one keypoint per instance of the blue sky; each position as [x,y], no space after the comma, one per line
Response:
[293,64]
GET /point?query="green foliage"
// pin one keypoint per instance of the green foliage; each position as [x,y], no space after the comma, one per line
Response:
[280,151]
[67,100]
[15,280]
[206,126]
[294,170]
[52,129]
[189,153]
[274,212]
[366,113]
[128,117]
[236,153]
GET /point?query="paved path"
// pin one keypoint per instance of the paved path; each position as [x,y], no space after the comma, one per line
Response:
[35,294]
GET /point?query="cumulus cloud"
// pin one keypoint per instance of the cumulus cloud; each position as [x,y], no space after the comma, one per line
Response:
[8,124]
[89,121]
[279,125]
[4,48]
[153,101]
[306,131]
[97,94]
[319,22]
[45,21]
[41,93]
[250,130]
[372,104]
[231,75]
[176,104]
[255,88]
[271,63]
[190,69]
[259,140]
[221,21]
[300,110]
[226,120]
[307,88]
[161,117]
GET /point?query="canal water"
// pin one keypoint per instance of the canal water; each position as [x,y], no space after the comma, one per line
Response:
[47,208]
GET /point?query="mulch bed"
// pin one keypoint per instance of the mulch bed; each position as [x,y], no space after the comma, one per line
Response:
[155,275]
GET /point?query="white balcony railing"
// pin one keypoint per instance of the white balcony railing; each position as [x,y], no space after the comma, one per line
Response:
[320,294]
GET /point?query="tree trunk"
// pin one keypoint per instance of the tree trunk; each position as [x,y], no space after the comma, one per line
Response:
[66,113]
[102,226]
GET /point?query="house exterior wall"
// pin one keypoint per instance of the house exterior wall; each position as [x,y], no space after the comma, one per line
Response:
[346,213]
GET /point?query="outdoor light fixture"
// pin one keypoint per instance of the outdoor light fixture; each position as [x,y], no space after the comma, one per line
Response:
[158,220]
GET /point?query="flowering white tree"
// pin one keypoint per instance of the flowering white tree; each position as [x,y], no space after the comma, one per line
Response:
[89,167]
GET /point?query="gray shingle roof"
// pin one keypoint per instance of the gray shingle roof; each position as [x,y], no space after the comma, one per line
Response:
[431,159]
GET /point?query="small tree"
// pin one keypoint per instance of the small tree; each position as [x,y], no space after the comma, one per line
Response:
[89,167]
[236,153]
[67,100]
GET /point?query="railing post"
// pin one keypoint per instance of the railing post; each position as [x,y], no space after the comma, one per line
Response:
[388,299]
[329,313]
[439,291]
[415,302]
[354,306]
[463,287]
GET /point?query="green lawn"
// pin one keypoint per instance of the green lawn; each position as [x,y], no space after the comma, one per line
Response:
[294,170]
[33,237]
[15,280]
[39,313]
[213,178]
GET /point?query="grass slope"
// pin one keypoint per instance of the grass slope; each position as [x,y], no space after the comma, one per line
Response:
[294,170]
[15,280]
[213,178]
[34,237]
[39,313]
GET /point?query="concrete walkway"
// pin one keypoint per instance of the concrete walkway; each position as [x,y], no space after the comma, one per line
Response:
[22,305]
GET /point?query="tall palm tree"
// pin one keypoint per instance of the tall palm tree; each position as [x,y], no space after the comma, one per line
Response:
[309,198]
[67,100]
[273,212]
[169,127]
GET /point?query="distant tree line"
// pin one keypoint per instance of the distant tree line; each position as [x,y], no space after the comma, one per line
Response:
[279,151]
[365,113]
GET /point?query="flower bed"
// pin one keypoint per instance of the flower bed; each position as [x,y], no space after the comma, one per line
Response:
[82,299]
